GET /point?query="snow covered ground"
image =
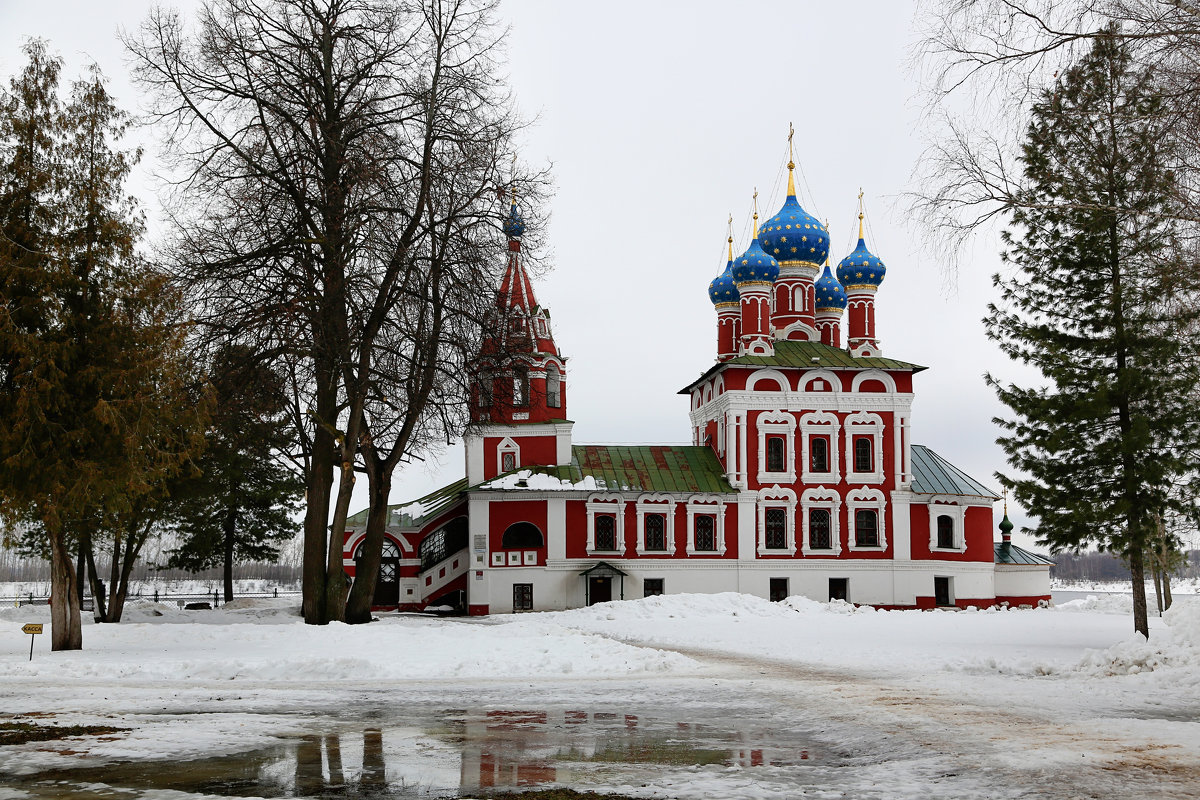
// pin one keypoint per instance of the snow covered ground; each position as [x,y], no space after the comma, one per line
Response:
[677,696]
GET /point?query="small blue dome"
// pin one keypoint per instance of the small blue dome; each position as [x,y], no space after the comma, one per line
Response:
[722,289]
[861,268]
[755,265]
[830,293]
[514,226]
[794,235]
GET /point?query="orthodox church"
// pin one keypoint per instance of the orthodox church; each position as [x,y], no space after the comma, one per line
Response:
[802,477]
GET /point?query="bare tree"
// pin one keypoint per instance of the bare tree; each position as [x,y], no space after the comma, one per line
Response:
[312,141]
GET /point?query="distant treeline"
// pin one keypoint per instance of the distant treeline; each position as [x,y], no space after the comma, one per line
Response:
[17,567]
[1096,566]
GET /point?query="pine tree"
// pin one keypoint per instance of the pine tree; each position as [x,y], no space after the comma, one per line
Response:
[97,410]
[243,503]
[1095,303]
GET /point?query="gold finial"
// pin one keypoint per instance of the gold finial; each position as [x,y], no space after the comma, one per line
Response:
[1006,502]
[860,213]
[755,212]
[791,163]
[731,237]
[827,252]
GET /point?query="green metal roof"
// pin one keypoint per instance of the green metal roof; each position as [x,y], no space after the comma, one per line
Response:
[933,474]
[1009,553]
[808,355]
[677,469]
[418,512]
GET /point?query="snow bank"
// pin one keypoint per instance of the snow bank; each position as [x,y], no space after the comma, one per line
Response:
[1104,604]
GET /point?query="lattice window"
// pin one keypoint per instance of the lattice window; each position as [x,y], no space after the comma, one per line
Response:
[818,529]
[776,454]
[818,448]
[656,538]
[863,454]
[706,540]
[866,527]
[606,538]
[776,524]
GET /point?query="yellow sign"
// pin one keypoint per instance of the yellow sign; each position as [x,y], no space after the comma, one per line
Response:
[32,627]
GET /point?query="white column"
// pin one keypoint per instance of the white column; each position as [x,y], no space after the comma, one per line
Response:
[556,529]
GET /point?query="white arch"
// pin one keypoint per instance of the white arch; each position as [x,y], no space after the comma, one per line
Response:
[820,374]
[768,374]
[889,383]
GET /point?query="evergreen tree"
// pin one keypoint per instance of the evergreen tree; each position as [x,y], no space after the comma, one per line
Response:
[96,408]
[1097,303]
[243,503]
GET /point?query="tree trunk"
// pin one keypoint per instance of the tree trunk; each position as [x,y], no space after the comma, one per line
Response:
[80,574]
[99,613]
[1138,572]
[1155,575]
[66,633]
[320,482]
[366,575]
[1166,584]
[133,548]
[337,583]
[230,529]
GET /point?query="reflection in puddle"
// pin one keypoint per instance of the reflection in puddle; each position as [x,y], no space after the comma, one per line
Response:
[443,753]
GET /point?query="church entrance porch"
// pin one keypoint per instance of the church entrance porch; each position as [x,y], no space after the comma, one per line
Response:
[598,583]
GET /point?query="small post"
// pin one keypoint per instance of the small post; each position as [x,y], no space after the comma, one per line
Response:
[214,598]
[277,591]
[33,629]
[156,594]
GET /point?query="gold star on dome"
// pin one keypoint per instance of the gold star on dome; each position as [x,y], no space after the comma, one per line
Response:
[744,262]
[789,227]
[858,274]
[783,238]
[793,249]
[804,238]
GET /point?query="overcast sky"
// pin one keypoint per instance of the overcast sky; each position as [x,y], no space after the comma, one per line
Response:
[659,120]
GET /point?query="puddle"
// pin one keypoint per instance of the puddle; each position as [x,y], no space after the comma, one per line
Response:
[451,752]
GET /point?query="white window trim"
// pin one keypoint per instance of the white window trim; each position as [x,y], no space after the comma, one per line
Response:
[777,423]
[773,497]
[781,380]
[863,423]
[835,385]
[832,501]
[656,504]
[820,423]
[507,445]
[957,511]
[872,499]
[606,504]
[706,505]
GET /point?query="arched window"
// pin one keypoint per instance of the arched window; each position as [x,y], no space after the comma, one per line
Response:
[553,387]
[705,540]
[818,529]
[389,549]
[866,527]
[945,531]
[862,454]
[656,538]
[606,532]
[521,536]
[520,387]
[776,447]
[776,533]
[818,448]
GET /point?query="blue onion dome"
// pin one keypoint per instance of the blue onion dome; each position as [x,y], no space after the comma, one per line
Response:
[514,225]
[793,236]
[830,294]
[861,267]
[754,264]
[722,289]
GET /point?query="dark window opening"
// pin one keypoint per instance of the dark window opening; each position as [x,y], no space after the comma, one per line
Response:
[866,527]
[553,387]
[776,528]
[521,536]
[508,462]
[521,388]
[442,543]
[945,531]
[706,541]
[818,458]
[522,597]
[606,533]
[941,592]
[863,454]
[818,529]
[656,538]
[779,589]
[776,452]
[839,589]
[652,587]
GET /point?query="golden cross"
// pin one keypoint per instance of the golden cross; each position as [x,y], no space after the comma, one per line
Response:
[756,202]
[731,227]
[791,131]
[1006,501]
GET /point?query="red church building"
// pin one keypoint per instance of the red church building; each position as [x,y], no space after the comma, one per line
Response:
[802,477]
